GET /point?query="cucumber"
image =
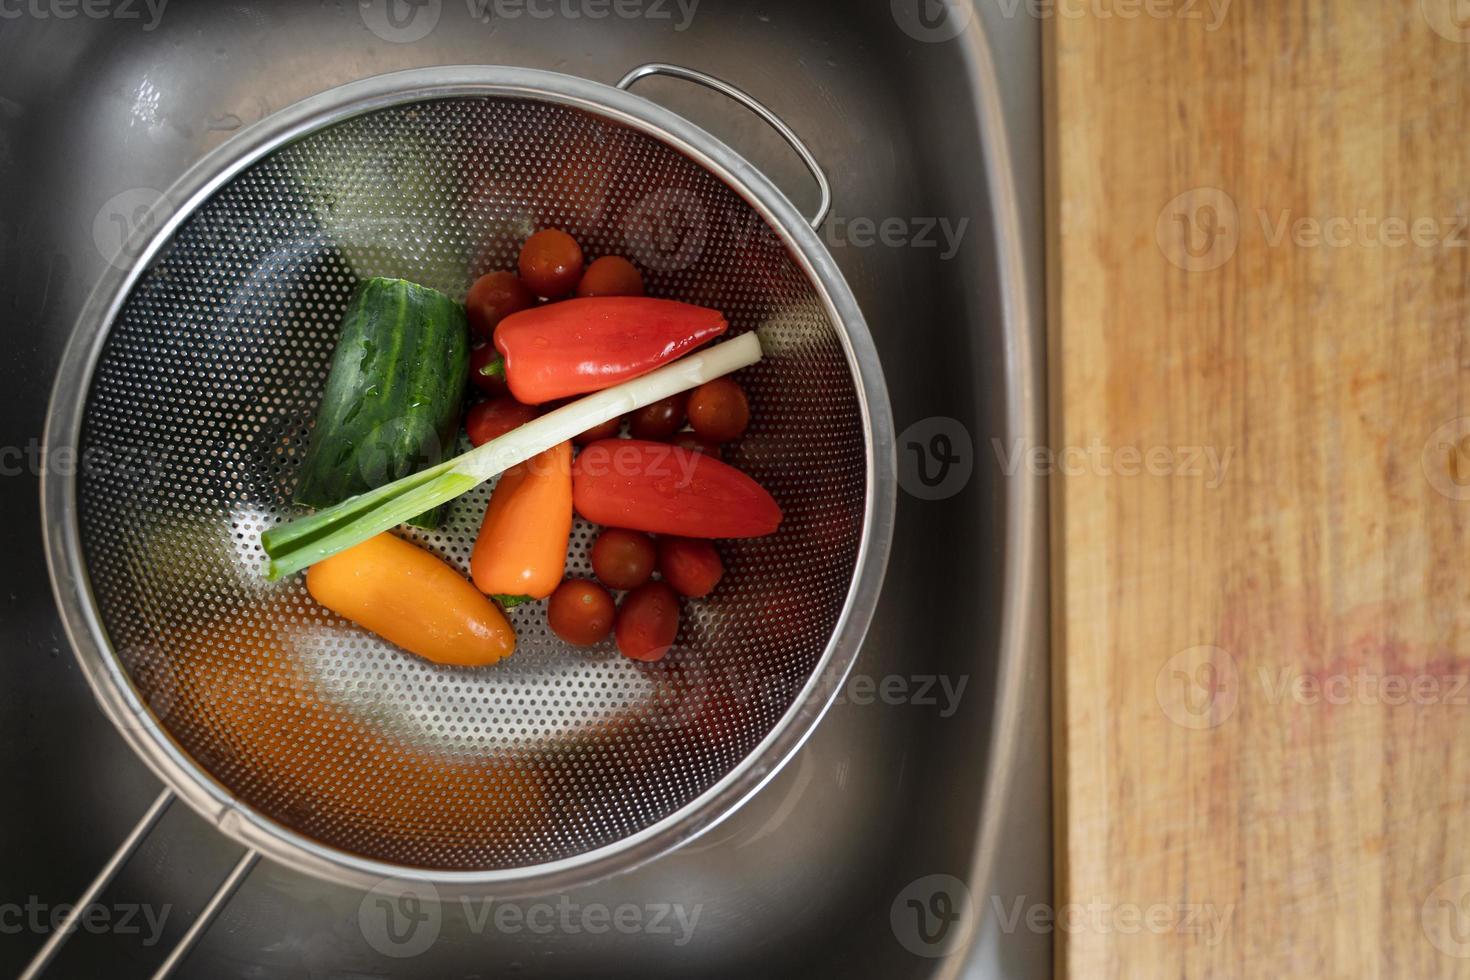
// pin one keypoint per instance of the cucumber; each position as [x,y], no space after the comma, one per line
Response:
[392,401]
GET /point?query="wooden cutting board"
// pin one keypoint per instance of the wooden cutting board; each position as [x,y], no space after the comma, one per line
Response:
[1260,354]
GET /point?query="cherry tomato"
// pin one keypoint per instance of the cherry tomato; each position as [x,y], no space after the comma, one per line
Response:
[491,384]
[580,611]
[611,275]
[695,442]
[660,420]
[494,418]
[648,622]
[606,430]
[692,567]
[551,263]
[493,297]
[623,559]
[718,410]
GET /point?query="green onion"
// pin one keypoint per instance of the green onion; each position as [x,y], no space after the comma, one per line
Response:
[306,541]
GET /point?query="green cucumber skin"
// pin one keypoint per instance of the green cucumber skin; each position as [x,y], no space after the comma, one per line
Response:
[392,400]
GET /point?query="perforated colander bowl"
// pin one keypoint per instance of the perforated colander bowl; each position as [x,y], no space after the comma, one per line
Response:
[188,391]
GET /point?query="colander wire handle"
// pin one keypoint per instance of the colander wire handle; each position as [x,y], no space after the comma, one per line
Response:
[38,964]
[125,850]
[206,915]
[824,187]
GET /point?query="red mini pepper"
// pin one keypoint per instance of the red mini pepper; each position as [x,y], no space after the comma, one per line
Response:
[581,345]
[658,487]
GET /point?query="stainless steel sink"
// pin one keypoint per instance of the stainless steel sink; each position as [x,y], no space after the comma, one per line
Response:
[933,145]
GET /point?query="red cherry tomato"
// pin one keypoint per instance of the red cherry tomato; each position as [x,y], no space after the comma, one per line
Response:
[491,384]
[551,263]
[493,419]
[611,275]
[691,566]
[718,410]
[623,559]
[648,622]
[493,297]
[660,420]
[606,430]
[694,442]
[581,612]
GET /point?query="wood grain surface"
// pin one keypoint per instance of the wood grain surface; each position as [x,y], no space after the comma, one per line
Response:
[1260,345]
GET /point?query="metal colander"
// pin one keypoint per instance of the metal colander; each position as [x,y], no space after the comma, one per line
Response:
[189,393]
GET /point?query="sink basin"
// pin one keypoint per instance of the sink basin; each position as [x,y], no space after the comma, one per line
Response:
[902,838]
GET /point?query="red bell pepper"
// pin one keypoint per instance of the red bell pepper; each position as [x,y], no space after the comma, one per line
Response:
[582,345]
[658,487]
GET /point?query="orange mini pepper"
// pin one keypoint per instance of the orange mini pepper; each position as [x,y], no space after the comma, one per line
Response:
[409,597]
[522,548]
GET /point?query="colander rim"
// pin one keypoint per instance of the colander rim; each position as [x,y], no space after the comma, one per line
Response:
[71,585]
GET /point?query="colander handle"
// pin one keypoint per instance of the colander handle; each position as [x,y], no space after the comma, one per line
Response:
[824,206]
[63,930]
